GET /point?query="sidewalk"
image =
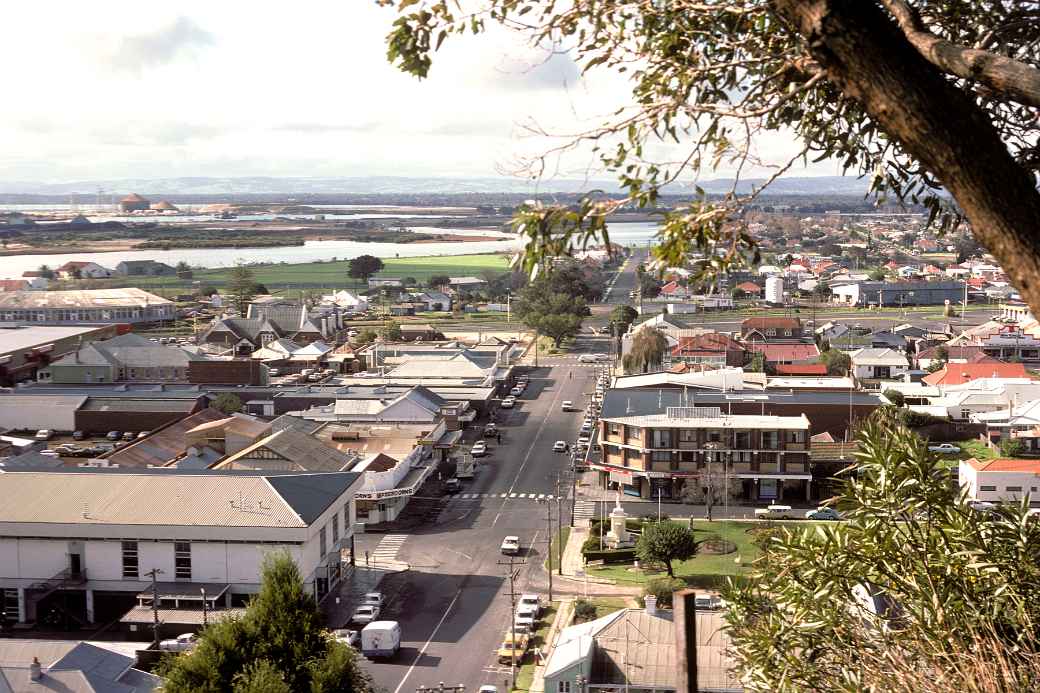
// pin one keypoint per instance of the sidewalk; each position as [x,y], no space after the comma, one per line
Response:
[563,617]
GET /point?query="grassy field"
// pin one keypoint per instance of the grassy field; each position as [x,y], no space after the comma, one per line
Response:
[703,570]
[333,275]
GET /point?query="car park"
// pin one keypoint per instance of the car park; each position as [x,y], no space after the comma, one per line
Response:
[364,614]
[822,514]
[479,449]
[944,449]
[774,512]
[511,545]
[560,446]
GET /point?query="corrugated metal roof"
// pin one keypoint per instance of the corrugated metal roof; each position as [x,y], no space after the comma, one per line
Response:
[83,298]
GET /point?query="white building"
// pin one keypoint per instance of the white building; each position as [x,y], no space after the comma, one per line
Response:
[104,530]
[1001,480]
[879,364]
[775,290]
[346,299]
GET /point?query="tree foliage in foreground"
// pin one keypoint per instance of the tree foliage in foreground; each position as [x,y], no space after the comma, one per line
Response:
[279,644]
[954,577]
[918,95]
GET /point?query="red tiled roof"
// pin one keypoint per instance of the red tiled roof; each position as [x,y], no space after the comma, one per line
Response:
[713,342]
[957,373]
[749,287]
[1003,464]
[785,353]
[801,369]
[13,284]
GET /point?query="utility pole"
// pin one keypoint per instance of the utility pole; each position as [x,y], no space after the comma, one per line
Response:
[154,573]
[548,519]
[512,611]
[559,526]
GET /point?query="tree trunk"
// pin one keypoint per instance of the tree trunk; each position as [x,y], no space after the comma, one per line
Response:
[865,55]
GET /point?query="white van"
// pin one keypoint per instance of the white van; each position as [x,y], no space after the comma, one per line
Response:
[775,512]
[381,639]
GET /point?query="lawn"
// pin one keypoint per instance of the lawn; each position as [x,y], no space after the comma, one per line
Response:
[703,570]
[333,275]
[608,605]
[974,448]
[525,672]
[559,544]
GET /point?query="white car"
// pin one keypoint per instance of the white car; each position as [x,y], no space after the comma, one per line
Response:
[347,637]
[526,615]
[532,601]
[517,391]
[560,446]
[508,402]
[583,440]
[364,614]
[511,545]
[44,434]
[373,599]
[944,449]
[182,643]
[567,405]
[774,512]
[479,449]
[587,358]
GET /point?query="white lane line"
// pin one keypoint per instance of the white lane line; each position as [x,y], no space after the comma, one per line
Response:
[421,652]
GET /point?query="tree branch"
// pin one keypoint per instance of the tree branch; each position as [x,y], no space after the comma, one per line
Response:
[1018,80]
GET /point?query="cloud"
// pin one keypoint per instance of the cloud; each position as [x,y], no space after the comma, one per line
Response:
[182,37]
[325,128]
[168,134]
[556,70]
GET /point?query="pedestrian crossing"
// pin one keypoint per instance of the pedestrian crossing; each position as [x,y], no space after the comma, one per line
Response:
[387,548]
[526,496]
[584,510]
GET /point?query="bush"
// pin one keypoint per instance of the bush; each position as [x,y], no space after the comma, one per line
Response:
[584,611]
[591,545]
[1011,447]
[663,588]
[611,555]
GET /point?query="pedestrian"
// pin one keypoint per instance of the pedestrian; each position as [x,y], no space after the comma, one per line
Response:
[498,436]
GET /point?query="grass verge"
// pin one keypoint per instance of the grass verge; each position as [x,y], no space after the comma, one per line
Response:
[559,544]
[525,672]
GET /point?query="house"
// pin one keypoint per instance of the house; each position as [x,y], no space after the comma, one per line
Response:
[957,373]
[797,369]
[749,288]
[104,531]
[862,293]
[126,358]
[245,336]
[424,332]
[656,455]
[26,349]
[713,349]
[779,353]
[771,329]
[95,306]
[870,364]
[952,353]
[433,300]
[832,331]
[1000,480]
[347,300]
[15,285]
[1012,422]
[134,203]
[466,283]
[71,667]
[83,270]
[37,282]
[144,268]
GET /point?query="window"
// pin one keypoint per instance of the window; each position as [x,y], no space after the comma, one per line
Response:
[130,564]
[742,439]
[565,687]
[614,429]
[182,560]
[661,456]
[322,543]
[714,436]
[987,488]
[335,529]
[769,440]
[9,605]
[346,518]
[687,435]
[1013,488]
[662,438]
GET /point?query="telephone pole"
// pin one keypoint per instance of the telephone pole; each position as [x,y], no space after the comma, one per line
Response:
[512,562]
[154,573]
[559,526]
[548,519]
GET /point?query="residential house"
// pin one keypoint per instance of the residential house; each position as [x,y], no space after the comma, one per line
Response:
[70,666]
[656,455]
[953,353]
[433,300]
[957,373]
[144,268]
[781,353]
[346,300]
[37,282]
[870,365]
[83,270]
[1000,480]
[126,358]
[95,306]
[104,531]
[771,329]
[15,285]
[466,283]
[832,331]
[712,349]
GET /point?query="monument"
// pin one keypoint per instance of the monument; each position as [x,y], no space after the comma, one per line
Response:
[618,537]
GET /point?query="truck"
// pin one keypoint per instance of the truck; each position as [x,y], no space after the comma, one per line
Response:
[464,467]
[381,639]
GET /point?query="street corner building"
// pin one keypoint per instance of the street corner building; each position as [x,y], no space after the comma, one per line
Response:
[88,553]
[758,457]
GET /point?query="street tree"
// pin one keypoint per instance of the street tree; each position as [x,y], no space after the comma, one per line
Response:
[556,314]
[364,266]
[279,644]
[623,315]
[392,331]
[241,288]
[757,364]
[922,96]
[836,360]
[438,281]
[947,578]
[647,351]
[665,542]
[227,402]
[45,271]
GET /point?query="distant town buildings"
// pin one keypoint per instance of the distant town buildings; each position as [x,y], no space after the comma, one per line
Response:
[84,307]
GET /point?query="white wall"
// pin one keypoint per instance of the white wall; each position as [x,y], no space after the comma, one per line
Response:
[974,481]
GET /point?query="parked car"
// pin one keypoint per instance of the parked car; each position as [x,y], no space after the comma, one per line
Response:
[510,649]
[945,449]
[583,440]
[517,391]
[67,449]
[44,434]
[50,453]
[526,615]
[182,643]
[559,446]
[479,449]
[364,614]
[822,514]
[587,358]
[508,402]
[774,512]
[452,485]
[347,636]
[79,435]
[129,435]
[373,598]
[532,601]
[511,545]
[114,435]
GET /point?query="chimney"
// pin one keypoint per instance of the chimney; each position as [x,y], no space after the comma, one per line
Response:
[651,605]
[35,673]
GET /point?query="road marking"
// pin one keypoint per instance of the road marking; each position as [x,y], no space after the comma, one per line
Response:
[421,652]
[512,495]
[468,558]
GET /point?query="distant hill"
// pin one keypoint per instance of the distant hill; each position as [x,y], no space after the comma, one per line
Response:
[384,185]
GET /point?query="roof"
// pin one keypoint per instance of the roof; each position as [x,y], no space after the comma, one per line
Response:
[164,444]
[636,649]
[711,341]
[647,401]
[788,423]
[140,403]
[748,287]
[1004,464]
[26,337]
[70,667]
[953,351]
[83,298]
[767,323]
[801,369]
[957,373]
[133,197]
[302,451]
[168,498]
[780,353]
[879,357]
[132,351]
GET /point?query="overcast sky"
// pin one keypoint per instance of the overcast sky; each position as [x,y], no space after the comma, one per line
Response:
[235,88]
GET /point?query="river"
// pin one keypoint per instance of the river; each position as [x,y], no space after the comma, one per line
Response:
[624,233]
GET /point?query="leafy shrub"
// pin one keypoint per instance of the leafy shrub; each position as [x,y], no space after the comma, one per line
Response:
[584,611]
[663,588]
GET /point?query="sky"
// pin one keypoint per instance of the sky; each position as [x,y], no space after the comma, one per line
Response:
[160,89]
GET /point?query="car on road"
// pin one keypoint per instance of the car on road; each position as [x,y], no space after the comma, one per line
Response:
[822,514]
[517,391]
[526,615]
[513,649]
[567,405]
[944,449]
[452,485]
[490,430]
[774,512]
[511,545]
[559,446]
[381,639]
[373,599]
[184,642]
[364,614]
[508,402]
[44,434]
[587,358]
[347,636]
[479,449]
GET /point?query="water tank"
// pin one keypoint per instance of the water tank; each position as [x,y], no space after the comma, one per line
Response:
[775,290]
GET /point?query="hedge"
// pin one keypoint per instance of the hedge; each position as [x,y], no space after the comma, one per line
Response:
[613,556]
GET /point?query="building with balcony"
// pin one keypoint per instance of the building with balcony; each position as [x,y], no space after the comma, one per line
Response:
[760,457]
[96,542]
